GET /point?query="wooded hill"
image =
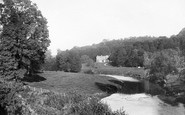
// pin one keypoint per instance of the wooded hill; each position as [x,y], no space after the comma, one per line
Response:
[128,52]
[132,49]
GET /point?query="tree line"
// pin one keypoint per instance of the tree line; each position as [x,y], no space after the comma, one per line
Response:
[128,52]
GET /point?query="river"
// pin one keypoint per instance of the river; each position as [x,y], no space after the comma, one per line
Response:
[140,103]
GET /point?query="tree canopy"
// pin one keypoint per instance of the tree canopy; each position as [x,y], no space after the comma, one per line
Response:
[24,38]
[68,61]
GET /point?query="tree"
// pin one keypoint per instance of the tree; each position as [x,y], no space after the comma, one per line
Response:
[162,64]
[24,38]
[68,61]
[74,60]
[121,57]
[62,60]
[113,58]
[85,58]
[50,62]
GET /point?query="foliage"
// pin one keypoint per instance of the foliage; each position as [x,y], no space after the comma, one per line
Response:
[182,75]
[129,52]
[50,62]
[68,61]
[24,37]
[87,61]
[162,64]
[93,107]
[174,55]
[90,63]
[127,57]
[9,97]
[71,103]
[84,58]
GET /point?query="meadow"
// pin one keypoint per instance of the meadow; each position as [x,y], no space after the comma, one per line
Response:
[58,92]
[80,82]
[65,82]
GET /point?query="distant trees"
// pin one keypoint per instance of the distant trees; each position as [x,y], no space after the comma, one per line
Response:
[24,37]
[50,62]
[130,52]
[87,60]
[126,56]
[68,61]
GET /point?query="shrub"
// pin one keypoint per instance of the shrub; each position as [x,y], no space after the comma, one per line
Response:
[9,99]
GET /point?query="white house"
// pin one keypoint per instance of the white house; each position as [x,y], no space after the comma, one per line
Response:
[102,59]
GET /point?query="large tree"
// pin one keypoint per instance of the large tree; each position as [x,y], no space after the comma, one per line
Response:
[24,38]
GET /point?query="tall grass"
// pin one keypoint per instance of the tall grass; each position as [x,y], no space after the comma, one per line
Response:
[71,103]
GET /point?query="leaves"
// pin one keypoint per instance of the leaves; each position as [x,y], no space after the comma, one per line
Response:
[24,35]
[68,61]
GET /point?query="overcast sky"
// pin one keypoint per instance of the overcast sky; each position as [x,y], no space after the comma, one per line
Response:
[84,22]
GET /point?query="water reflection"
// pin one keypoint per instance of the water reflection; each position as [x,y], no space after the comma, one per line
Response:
[129,87]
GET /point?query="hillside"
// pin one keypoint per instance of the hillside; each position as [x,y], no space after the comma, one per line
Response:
[146,43]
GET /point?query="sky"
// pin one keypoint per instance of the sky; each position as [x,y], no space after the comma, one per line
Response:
[85,22]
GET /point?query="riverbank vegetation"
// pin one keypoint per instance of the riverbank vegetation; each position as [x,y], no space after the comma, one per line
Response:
[28,100]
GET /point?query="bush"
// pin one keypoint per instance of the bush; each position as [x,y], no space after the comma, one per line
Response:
[9,98]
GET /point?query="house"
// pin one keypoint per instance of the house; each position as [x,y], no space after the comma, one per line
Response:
[102,59]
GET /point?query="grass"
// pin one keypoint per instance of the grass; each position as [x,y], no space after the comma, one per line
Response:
[66,82]
[100,68]
[80,82]
[51,103]
[81,92]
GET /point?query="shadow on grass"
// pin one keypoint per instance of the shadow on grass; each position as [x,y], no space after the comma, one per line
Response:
[108,88]
[33,78]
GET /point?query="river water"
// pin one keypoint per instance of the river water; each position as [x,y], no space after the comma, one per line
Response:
[140,103]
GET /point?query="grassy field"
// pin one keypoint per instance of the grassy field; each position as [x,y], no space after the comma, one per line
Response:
[65,82]
[79,82]
[100,68]
[82,93]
